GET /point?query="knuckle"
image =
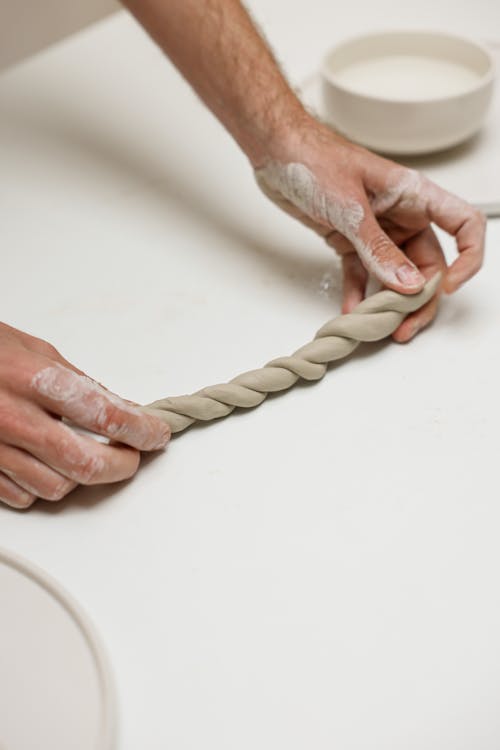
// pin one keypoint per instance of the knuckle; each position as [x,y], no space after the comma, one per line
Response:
[89,470]
[381,247]
[59,491]
[421,181]
[40,346]
[49,350]
[111,420]
[9,418]
[43,347]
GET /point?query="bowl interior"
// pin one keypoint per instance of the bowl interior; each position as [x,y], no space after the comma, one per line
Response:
[462,64]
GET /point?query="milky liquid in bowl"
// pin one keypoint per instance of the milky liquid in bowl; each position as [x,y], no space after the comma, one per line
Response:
[407,92]
[406,77]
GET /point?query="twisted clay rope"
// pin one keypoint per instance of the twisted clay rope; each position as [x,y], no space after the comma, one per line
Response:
[373,319]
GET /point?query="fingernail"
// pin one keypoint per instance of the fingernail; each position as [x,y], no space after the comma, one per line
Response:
[409,276]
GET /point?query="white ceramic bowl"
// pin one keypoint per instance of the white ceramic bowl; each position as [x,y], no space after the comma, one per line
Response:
[407,92]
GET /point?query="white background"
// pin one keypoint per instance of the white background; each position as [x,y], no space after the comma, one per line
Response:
[321,572]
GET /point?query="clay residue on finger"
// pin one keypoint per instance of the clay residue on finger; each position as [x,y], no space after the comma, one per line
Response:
[404,190]
[89,404]
[299,186]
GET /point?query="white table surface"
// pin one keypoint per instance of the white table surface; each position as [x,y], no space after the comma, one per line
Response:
[321,572]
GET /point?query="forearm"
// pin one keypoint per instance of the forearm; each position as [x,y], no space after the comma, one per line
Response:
[219,51]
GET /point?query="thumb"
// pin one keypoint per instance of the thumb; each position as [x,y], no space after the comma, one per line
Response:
[382,258]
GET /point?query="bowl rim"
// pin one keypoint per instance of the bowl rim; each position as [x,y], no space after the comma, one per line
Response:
[484,81]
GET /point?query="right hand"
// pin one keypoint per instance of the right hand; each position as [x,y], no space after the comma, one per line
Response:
[40,456]
[376,214]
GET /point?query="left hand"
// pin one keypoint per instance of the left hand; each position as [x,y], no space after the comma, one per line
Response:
[377,215]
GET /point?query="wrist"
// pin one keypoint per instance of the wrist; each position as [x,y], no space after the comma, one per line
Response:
[298,137]
[280,132]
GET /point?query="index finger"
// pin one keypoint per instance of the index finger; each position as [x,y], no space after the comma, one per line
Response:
[88,404]
[466,223]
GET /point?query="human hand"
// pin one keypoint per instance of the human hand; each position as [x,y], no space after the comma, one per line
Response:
[40,456]
[377,215]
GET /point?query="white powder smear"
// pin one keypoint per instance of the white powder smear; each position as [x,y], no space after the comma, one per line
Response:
[404,189]
[297,184]
[90,405]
